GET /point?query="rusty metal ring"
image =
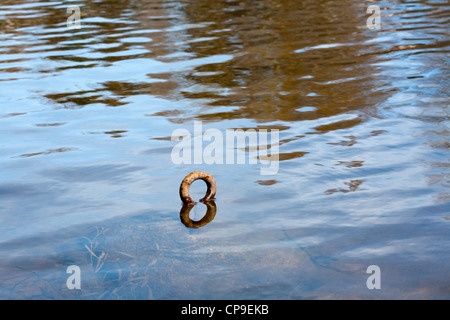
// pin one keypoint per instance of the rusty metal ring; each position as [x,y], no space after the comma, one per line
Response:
[207,218]
[189,179]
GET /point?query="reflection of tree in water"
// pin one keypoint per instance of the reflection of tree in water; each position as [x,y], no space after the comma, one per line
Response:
[268,79]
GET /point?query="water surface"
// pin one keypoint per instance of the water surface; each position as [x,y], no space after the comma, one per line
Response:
[86,118]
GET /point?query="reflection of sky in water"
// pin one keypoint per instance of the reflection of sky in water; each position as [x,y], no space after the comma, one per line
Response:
[86,118]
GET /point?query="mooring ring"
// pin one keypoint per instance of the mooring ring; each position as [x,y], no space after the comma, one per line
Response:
[189,179]
[207,218]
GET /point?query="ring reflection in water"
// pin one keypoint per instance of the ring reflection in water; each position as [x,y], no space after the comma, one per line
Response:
[207,218]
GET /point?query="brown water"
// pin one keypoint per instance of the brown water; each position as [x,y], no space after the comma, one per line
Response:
[87,179]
